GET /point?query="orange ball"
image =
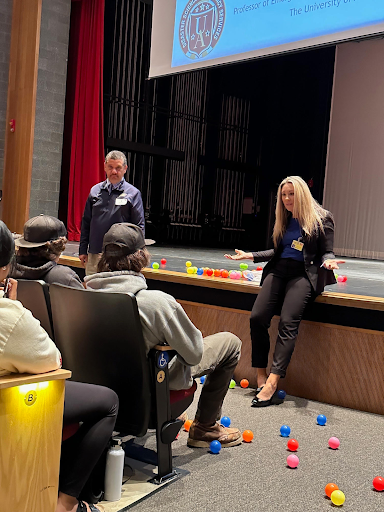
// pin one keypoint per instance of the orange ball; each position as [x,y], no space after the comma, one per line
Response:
[329,488]
[217,272]
[247,436]
[187,425]
[244,383]
[224,273]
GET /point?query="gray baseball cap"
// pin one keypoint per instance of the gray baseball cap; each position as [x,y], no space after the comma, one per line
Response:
[40,230]
[128,237]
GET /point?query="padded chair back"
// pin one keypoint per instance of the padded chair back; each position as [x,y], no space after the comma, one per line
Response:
[34,295]
[100,338]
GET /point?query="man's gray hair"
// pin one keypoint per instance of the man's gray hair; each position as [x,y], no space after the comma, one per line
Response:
[116,155]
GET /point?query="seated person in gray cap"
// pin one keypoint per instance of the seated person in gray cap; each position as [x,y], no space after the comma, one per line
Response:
[39,250]
[164,320]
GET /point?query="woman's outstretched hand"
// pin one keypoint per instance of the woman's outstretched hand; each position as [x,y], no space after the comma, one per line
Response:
[332,264]
[240,255]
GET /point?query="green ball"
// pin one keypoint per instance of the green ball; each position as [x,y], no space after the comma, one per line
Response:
[336,276]
[155,265]
[194,270]
[232,384]
[243,266]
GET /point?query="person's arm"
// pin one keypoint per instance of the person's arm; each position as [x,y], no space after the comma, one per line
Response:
[263,255]
[328,259]
[85,229]
[184,337]
[137,212]
[256,257]
[29,349]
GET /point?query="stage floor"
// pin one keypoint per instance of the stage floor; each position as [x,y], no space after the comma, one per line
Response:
[365,277]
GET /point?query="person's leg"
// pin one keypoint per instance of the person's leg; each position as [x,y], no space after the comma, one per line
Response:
[91,266]
[298,293]
[266,306]
[220,357]
[96,407]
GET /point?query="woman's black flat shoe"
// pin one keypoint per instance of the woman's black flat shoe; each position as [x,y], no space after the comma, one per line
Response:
[256,402]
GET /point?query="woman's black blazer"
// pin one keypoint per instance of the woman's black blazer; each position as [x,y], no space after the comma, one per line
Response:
[316,250]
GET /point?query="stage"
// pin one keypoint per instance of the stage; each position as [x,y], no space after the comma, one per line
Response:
[339,355]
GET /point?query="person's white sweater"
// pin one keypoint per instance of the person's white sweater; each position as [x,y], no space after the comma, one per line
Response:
[24,345]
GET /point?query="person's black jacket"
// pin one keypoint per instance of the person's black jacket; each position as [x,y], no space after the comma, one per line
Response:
[48,271]
[316,250]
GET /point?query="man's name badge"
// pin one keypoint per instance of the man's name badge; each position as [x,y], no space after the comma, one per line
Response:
[298,246]
[121,201]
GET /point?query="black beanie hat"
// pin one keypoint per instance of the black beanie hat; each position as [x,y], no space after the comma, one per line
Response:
[7,245]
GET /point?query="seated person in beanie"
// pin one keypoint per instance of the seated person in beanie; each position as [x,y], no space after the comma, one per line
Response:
[164,320]
[39,251]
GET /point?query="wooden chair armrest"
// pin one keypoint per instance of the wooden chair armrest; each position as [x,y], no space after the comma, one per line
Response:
[162,347]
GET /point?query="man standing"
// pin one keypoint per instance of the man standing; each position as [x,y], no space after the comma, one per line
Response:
[109,202]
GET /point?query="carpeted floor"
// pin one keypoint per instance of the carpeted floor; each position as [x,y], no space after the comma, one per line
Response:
[254,477]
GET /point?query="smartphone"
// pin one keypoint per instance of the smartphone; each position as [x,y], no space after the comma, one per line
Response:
[6,288]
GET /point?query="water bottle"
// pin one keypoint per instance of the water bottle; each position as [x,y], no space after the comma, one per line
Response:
[114,471]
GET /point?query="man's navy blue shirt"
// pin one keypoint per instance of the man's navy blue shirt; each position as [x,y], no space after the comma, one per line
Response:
[101,212]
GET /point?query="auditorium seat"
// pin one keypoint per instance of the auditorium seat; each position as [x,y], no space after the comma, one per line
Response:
[34,295]
[100,337]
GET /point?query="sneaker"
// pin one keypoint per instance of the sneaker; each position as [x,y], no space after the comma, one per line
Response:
[201,436]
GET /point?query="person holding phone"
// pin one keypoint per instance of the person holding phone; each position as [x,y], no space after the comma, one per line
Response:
[26,348]
[299,266]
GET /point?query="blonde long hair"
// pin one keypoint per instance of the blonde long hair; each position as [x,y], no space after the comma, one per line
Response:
[305,209]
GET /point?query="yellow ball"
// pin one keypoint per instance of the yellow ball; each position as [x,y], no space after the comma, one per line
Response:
[188,263]
[190,270]
[338,498]
[194,270]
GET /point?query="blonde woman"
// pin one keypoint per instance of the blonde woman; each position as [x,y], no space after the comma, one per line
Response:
[298,268]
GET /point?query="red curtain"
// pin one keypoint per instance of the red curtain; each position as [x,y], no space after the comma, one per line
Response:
[85,104]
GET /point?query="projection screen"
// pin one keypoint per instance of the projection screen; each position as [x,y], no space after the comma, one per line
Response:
[194,34]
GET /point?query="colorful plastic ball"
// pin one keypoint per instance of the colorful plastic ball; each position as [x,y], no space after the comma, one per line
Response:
[202,379]
[285,430]
[190,270]
[329,488]
[217,272]
[247,436]
[232,275]
[378,483]
[250,276]
[195,270]
[155,265]
[188,263]
[342,279]
[338,497]
[281,394]
[232,384]
[163,261]
[334,443]
[244,383]
[187,425]
[292,445]
[225,421]
[224,273]
[336,276]
[259,268]
[293,461]
[209,272]
[215,446]
[321,420]
[200,271]
[243,266]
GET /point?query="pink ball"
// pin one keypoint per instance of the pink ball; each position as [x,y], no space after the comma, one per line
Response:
[293,461]
[334,443]
[342,279]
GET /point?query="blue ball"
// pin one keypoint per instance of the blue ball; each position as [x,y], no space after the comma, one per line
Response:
[225,421]
[215,446]
[202,379]
[281,394]
[200,271]
[285,430]
[321,420]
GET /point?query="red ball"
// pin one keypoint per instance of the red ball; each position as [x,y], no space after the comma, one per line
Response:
[292,445]
[378,483]
[342,279]
[259,268]
[244,383]
[209,272]
[217,272]
[224,273]
[163,261]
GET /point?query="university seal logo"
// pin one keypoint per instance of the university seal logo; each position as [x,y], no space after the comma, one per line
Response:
[201,26]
